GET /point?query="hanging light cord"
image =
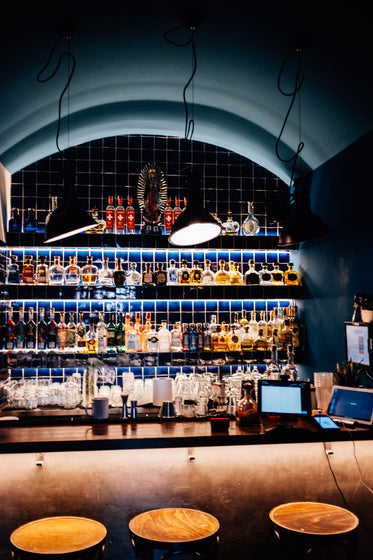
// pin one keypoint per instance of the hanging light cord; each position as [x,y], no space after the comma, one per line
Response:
[189,122]
[299,78]
[71,57]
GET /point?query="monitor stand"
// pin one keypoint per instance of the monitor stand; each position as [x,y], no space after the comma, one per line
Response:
[285,426]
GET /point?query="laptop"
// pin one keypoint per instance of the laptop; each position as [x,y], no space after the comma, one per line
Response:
[351,405]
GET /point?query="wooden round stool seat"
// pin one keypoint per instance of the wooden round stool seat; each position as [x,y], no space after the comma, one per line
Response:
[303,526]
[174,530]
[62,537]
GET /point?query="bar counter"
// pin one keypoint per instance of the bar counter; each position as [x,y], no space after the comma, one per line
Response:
[79,432]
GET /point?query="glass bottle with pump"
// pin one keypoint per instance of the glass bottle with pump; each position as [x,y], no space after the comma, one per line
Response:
[56,272]
[250,225]
[72,272]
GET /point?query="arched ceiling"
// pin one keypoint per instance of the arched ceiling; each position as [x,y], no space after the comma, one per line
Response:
[129,80]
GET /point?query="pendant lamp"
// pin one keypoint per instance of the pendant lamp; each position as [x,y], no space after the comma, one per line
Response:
[68,219]
[195,225]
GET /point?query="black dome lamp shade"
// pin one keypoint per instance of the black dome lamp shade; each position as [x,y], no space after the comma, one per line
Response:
[68,219]
[195,225]
[302,224]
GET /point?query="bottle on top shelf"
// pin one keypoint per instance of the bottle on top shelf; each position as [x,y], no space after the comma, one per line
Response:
[230,226]
[177,210]
[110,216]
[250,225]
[15,222]
[120,216]
[130,216]
[30,224]
[168,217]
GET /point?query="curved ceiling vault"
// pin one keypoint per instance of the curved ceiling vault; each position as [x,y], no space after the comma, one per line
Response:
[129,80]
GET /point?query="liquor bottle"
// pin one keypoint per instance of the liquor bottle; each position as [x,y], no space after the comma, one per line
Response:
[132,344]
[207,337]
[110,216]
[222,338]
[168,217]
[177,210]
[61,333]
[221,277]
[273,369]
[250,225]
[262,323]
[277,275]
[253,325]
[152,342]
[91,338]
[286,335]
[15,221]
[105,274]
[291,276]
[20,331]
[101,224]
[12,276]
[193,338]
[134,276]
[119,276]
[160,276]
[81,335]
[215,338]
[164,338]
[251,275]
[185,341]
[235,274]
[207,274]
[230,226]
[120,334]
[120,216]
[265,277]
[42,330]
[71,334]
[175,344]
[242,322]
[101,334]
[52,331]
[42,271]
[184,273]
[147,275]
[72,272]
[30,330]
[196,274]
[89,272]
[246,410]
[130,216]
[146,330]
[56,272]
[213,323]
[200,337]
[30,225]
[270,327]
[111,340]
[260,342]
[246,339]
[172,273]
[295,327]
[10,331]
[234,341]
[28,271]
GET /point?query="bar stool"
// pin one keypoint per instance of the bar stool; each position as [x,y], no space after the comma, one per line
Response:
[65,538]
[181,532]
[303,527]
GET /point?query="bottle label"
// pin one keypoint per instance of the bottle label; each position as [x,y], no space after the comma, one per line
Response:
[147,278]
[277,276]
[161,278]
[248,226]
[110,219]
[168,215]
[252,278]
[292,277]
[185,277]
[130,220]
[172,275]
[119,220]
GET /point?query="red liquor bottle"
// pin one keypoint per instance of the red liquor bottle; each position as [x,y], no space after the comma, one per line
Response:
[130,216]
[168,217]
[177,209]
[119,216]
[110,216]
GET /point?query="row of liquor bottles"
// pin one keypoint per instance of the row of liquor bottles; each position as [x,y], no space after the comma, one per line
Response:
[119,219]
[125,335]
[90,274]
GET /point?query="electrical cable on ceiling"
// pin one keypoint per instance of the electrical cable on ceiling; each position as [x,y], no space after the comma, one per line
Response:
[189,122]
[299,78]
[69,56]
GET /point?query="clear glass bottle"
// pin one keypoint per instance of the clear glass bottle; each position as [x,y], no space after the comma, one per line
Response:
[253,325]
[120,214]
[61,333]
[101,334]
[230,226]
[236,277]
[134,276]
[264,275]
[119,275]
[72,272]
[56,272]
[120,334]
[250,225]
[160,275]
[246,339]
[71,331]
[164,338]
[105,274]
[184,273]
[110,216]
[295,327]
[175,344]
[147,275]
[196,274]
[130,216]
[222,276]
[20,331]
[42,331]
[30,224]
[172,273]
[207,274]
[52,331]
[89,272]
[42,271]
[246,411]
[152,342]
[234,341]
[291,276]
[200,337]
[81,335]
[251,275]
[260,342]
[13,275]
[28,271]
[111,337]
[277,275]
[207,337]
[91,338]
[30,330]
[15,223]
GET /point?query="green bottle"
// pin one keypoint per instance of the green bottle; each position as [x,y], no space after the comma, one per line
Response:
[111,338]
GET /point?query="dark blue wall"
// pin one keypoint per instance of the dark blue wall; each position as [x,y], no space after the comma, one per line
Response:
[340,264]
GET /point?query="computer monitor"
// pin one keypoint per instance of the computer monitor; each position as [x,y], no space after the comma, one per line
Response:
[358,343]
[284,397]
[351,405]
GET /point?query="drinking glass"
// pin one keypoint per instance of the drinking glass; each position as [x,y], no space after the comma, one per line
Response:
[323,381]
